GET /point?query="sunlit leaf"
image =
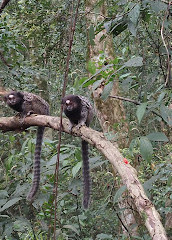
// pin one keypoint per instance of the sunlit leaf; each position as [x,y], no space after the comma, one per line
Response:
[91,66]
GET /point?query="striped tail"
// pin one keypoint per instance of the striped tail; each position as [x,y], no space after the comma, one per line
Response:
[36,167]
[86,175]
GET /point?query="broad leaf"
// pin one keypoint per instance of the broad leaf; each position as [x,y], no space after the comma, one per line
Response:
[10,203]
[146,148]
[148,184]
[166,114]
[91,67]
[158,6]
[119,193]
[132,28]
[72,228]
[141,111]
[3,194]
[134,62]
[76,168]
[161,96]
[91,35]
[104,236]
[107,90]
[157,137]
[116,26]
[134,14]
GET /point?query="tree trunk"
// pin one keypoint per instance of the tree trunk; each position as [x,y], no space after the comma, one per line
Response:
[109,112]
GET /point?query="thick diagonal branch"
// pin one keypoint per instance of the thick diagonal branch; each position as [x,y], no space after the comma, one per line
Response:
[126,171]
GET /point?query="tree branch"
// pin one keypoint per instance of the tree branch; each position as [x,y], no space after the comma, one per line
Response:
[135,102]
[3,5]
[98,140]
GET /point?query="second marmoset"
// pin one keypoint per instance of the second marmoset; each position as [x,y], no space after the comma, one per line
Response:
[80,112]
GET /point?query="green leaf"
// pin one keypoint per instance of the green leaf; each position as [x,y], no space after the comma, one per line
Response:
[146,148]
[78,82]
[72,228]
[119,193]
[91,35]
[10,203]
[91,67]
[88,83]
[132,28]
[104,236]
[166,114]
[126,83]
[76,168]
[3,194]
[97,164]
[97,73]
[134,14]
[116,26]
[106,91]
[157,137]
[96,84]
[134,62]
[148,184]
[157,6]
[141,111]
[169,181]
[161,96]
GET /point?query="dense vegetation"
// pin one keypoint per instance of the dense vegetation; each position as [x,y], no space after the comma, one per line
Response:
[34,39]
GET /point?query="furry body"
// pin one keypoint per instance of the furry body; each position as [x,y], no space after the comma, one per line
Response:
[80,112]
[27,104]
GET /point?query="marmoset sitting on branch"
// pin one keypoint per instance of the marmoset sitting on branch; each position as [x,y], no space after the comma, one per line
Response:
[80,112]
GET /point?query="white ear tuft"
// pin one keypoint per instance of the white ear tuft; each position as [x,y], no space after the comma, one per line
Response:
[67,101]
[11,96]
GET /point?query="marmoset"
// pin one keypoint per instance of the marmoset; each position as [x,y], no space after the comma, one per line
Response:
[80,112]
[27,104]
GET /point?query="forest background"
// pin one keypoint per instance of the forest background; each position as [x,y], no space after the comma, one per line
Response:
[121,61]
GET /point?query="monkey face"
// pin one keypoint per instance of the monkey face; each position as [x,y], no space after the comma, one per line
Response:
[69,105]
[14,100]
[11,99]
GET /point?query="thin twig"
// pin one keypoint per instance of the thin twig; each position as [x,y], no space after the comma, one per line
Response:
[3,5]
[61,111]
[4,61]
[166,48]
[135,102]
[126,99]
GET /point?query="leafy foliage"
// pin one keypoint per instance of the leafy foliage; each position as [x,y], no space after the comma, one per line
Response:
[34,41]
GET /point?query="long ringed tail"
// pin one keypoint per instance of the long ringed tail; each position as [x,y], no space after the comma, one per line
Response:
[36,166]
[86,175]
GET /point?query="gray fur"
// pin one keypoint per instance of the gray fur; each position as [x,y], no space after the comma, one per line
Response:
[27,103]
[80,112]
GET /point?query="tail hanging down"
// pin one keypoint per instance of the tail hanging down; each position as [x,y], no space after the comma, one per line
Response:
[36,166]
[86,175]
